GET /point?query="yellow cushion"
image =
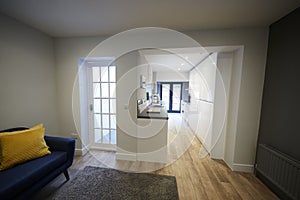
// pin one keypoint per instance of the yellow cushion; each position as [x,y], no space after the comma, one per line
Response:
[37,127]
[20,146]
[14,132]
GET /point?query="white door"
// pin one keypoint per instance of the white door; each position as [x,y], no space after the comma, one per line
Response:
[102,100]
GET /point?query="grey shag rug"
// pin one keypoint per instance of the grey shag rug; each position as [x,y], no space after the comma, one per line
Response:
[93,183]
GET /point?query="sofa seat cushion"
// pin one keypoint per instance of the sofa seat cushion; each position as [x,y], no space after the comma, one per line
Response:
[20,177]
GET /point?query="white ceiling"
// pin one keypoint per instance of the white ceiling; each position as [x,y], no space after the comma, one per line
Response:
[66,18]
[181,59]
[171,62]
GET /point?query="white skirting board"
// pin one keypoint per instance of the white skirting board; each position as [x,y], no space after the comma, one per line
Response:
[242,168]
[81,152]
[125,156]
[157,157]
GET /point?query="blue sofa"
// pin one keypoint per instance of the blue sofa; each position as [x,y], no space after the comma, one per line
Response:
[24,180]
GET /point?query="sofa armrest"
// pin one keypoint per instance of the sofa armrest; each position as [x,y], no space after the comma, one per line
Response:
[62,144]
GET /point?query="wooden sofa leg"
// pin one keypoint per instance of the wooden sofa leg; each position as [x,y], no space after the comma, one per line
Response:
[66,173]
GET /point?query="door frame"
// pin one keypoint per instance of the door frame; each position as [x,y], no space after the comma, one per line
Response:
[92,143]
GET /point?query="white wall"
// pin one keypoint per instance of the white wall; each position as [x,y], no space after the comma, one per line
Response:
[27,77]
[232,115]
[67,51]
[254,41]
[251,86]
[221,102]
[127,83]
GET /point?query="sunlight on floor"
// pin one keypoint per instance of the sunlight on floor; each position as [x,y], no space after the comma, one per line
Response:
[180,136]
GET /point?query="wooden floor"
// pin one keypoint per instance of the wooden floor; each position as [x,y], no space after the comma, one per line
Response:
[204,178]
[198,176]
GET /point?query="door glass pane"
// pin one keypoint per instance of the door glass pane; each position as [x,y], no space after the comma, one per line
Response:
[113,136]
[98,136]
[112,88]
[105,105]
[96,74]
[112,105]
[176,97]
[104,74]
[113,121]
[97,106]
[105,121]
[104,90]
[96,90]
[166,95]
[97,120]
[112,74]
[106,136]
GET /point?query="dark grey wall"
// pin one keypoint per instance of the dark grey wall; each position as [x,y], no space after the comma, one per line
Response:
[280,116]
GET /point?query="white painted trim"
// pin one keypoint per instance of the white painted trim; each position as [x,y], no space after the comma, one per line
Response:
[125,156]
[159,156]
[216,157]
[82,151]
[240,60]
[242,168]
[79,152]
[236,167]
[103,148]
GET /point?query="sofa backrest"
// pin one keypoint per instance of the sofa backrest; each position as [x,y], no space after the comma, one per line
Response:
[21,128]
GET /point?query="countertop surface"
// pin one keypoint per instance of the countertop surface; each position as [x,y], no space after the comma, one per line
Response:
[163,114]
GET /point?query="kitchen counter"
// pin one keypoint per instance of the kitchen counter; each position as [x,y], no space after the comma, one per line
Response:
[163,114]
[152,134]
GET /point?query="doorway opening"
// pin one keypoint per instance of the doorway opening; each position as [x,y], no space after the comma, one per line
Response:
[171,95]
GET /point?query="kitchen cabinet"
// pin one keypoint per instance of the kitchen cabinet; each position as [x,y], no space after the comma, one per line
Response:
[145,71]
[149,74]
[152,140]
[200,110]
[184,110]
